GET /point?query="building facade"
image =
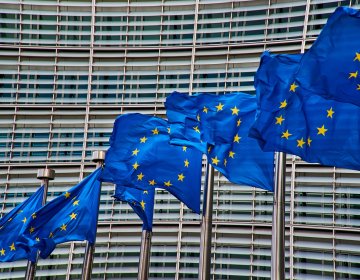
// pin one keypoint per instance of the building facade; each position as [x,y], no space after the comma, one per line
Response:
[68,68]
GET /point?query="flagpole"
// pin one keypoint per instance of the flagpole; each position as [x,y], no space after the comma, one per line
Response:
[278,225]
[44,175]
[144,261]
[206,225]
[98,157]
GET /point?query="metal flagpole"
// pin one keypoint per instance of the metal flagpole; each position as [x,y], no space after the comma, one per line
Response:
[144,261]
[278,225]
[98,157]
[44,175]
[206,225]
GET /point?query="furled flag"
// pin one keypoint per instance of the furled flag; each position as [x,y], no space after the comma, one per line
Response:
[218,125]
[70,217]
[293,120]
[141,201]
[331,66]
[140,156]
[13,224]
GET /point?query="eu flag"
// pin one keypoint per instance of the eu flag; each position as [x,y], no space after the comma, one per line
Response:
[70,217]
[140,156]
[141,201]
[331,66]
[218,125]
[13,224]
[293,120]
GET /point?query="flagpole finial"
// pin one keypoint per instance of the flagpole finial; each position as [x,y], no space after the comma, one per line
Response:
[46,173]
[98,156]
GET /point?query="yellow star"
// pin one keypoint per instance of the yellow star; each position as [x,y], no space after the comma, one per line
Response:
[140,176]
[63,227]
[353,74]
[2,252]
[33,215]
[142,203]
[152,183]
[321,130]
[12,247]
[37,239]
[300,143]
[235,111]
[181,177]
[32,229]
[24,220]
[286,134]
[143,139]
[225,162]
[214,160]
[237,138]
[231,154]
[168,183]
[330,113]
[198,117]
[168,130]
[184,148]
[309,141]
[238,122]
[51,235]
[358,87]
[155,131]
[145,192]
[283,104]
[205,110]
[279,120]
[357,56]
[196,128]
[73,216]
[135,152]
[67,195]
[219,107]
[186,163]
[293,87]
[76,203]
[135,165]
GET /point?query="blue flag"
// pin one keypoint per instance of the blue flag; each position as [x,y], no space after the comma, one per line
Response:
[140,156]
[218,125]
[293,120]
[13,224]
[70,217]
[331,67]
[141,201]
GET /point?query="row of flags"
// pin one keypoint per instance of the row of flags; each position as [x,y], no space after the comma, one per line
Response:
[237,132]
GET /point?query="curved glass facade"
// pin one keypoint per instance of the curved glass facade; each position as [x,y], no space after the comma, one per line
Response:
[68,68]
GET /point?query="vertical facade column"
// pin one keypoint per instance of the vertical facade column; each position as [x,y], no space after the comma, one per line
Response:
[98,157]
[278,220]
[44,175]
[206,225]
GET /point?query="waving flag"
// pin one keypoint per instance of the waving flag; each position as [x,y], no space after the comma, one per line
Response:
[331,67]
[293,120]
[70,217]
[140,156]
[218,125]
[13,224]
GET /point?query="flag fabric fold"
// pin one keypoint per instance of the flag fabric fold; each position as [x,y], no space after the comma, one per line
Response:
[331,66]
[13,224]
[218,125]
[141,201]
[70,217]
[293,120]
[141,157]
